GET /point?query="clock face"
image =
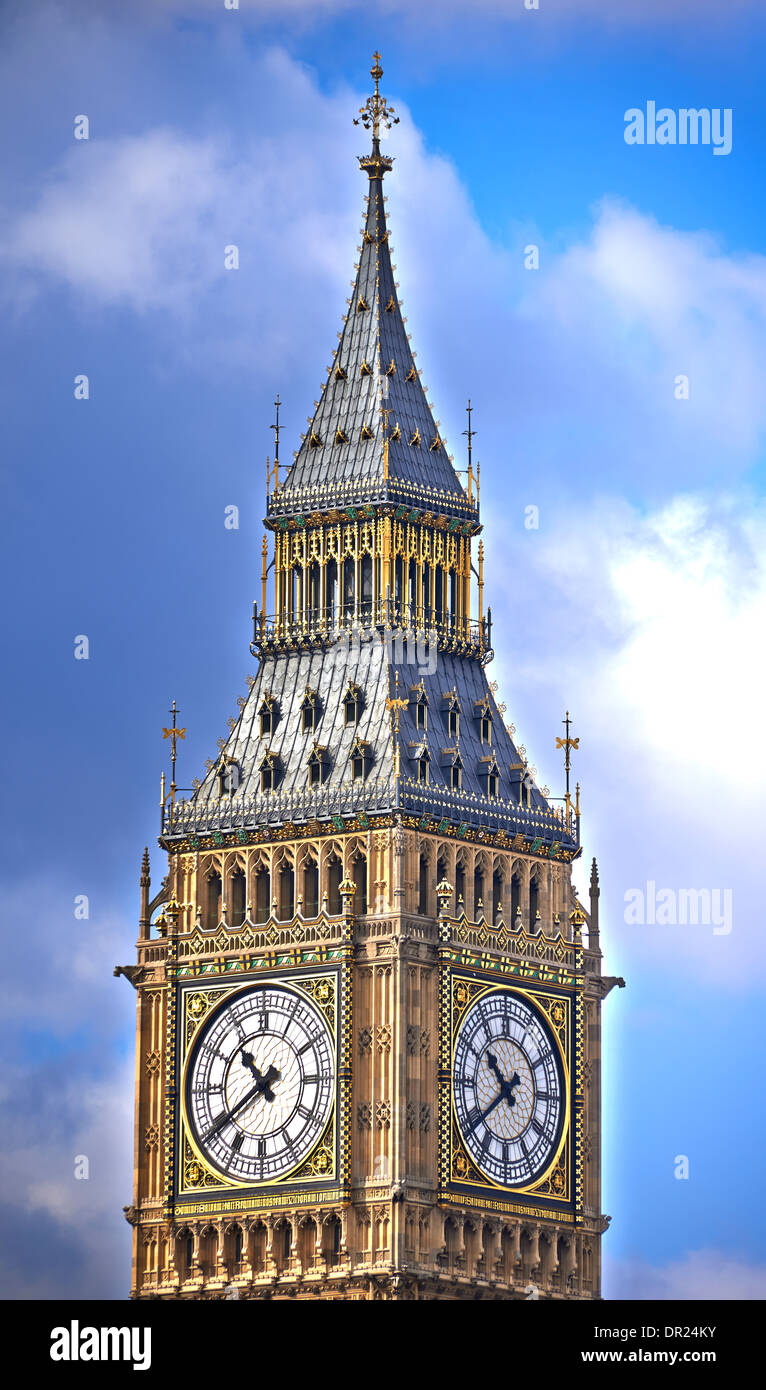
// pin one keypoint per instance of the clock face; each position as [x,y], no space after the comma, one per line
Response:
[508,1089]
[260,1083]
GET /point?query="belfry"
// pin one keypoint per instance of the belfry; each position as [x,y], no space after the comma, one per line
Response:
[368,1036]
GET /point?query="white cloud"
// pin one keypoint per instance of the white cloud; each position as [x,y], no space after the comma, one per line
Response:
[701,1274]
[67,1035]
[651,639]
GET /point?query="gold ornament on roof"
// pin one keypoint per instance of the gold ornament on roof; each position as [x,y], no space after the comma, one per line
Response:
[376,112]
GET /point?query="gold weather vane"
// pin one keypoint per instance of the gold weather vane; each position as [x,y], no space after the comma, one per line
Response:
[395,705]
[376,112]
[173,733]
[567,744]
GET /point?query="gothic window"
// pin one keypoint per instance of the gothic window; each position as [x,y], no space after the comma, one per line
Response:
[262,895]
[497,895]
[310,890]
[331,589]
[421,706]
[489,773]
[534,900]
[269,772]
[237,898]
[317,765]
[359,756]
[366,579]
[483,712]
[331,1241]
[456,776]
[423,768]
[515,896]
[286,893]
[423,885]
[212,908]
[334,880]
[348,587]
[478,892]
[314,589]
[359,875]
[439,594]
[460,886]
[453,722]
[352,705]
[309,711]
[228,776]
[267,715]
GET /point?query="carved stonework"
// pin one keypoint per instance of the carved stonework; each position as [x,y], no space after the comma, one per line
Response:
[365,864]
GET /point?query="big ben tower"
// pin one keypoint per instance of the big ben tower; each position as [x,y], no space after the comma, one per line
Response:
[368,1031]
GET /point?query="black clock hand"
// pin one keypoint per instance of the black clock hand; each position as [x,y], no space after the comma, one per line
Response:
[265,1081]
[506,1087]
[491,1107]
[487,1112]
[262,1084]
[229,1114]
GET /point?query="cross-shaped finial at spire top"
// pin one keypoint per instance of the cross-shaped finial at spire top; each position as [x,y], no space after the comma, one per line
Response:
[376,112]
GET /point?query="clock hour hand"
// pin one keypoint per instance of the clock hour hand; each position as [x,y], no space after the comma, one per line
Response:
[492,1064]
[506,1087]
[264,1081]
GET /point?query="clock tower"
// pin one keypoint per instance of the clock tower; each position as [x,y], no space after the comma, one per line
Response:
[368,998]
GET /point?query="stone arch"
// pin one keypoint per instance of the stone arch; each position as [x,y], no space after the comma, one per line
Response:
[258,1246]
[332,1232]
[212,895]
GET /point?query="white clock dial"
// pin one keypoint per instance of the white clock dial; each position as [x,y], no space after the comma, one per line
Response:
[260,1083]
[508,1089]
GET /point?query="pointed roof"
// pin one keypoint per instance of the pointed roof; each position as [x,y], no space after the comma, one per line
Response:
[373,436]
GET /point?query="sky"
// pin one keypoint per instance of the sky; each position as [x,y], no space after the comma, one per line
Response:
[637,602]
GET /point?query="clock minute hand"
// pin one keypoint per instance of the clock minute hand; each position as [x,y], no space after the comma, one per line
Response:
[229,1114]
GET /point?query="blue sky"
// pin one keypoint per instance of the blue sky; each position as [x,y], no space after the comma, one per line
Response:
[638,603]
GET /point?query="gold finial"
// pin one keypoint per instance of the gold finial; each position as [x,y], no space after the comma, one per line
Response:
[376,112]
[274,472]
[395,705]
[173,734]
[470,433]
[567,744]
